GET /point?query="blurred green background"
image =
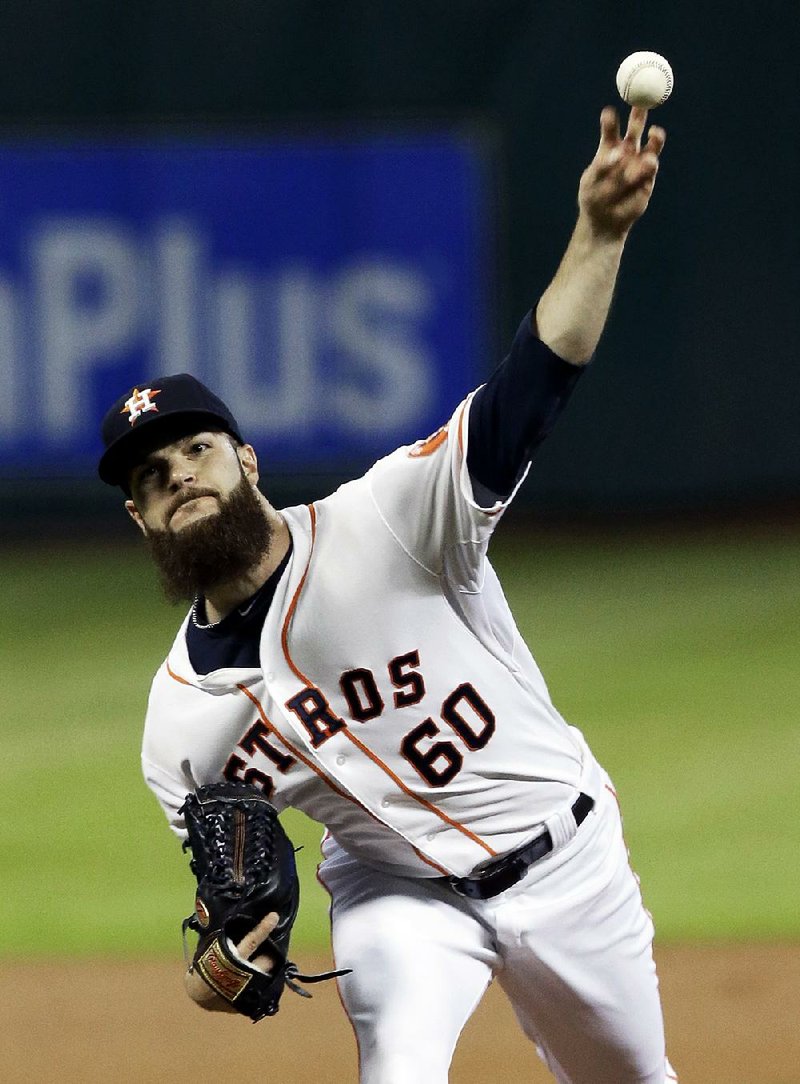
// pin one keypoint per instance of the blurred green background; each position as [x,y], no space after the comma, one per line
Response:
[675,652]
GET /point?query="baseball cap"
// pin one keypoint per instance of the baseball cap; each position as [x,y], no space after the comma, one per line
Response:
[156,412]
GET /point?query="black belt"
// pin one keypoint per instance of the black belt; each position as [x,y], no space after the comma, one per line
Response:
[512,867]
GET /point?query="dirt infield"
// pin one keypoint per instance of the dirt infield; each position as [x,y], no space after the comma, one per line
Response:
[732,1018]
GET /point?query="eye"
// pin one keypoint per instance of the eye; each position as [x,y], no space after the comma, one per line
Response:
[146,473]
[199,446]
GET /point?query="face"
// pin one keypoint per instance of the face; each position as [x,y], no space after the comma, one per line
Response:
[186,480]
[205,522]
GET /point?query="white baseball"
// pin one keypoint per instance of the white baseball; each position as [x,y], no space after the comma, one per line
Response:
[644,79]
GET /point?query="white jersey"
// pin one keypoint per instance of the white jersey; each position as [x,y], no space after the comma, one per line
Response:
[396,702]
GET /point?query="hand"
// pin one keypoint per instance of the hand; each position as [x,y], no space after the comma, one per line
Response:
[616,186]
[204,996]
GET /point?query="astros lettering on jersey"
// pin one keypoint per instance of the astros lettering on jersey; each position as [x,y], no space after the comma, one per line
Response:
[417,760]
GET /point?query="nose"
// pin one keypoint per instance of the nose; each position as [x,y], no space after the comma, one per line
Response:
[181,473]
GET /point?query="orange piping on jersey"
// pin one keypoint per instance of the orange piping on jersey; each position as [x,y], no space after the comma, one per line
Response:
[292,605]
[407,790]
[175,677]
[429,446]
[613,793]
[428,861]
[310,764]
[295,752]
[349,734]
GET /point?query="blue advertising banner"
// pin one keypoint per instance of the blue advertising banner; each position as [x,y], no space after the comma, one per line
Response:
[332,292]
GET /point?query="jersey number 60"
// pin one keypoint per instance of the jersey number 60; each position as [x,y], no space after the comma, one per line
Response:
[442,761]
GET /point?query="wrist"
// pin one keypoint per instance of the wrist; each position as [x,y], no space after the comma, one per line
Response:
[598,235]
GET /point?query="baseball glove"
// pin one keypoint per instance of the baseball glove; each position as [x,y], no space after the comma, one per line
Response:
[245,869]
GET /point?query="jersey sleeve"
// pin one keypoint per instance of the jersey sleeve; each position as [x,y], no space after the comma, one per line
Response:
[515,410]
[165,773]
[443,496]
[170,792]
[424,496]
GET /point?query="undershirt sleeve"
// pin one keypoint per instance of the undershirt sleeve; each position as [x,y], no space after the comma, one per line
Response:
[513,412]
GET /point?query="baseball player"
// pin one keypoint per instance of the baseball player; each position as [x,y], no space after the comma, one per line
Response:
[356,659]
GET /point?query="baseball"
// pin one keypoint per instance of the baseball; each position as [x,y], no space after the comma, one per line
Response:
[644,79]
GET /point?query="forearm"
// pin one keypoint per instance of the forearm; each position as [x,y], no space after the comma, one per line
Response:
[613,194]
[573,310]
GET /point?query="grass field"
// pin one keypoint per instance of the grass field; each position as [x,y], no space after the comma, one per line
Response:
[677,657]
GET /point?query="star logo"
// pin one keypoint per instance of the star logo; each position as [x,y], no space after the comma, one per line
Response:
[140,403]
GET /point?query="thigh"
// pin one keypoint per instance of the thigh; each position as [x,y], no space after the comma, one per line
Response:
[420,962]
[578,967]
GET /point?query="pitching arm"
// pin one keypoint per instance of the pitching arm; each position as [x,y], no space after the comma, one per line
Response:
[519,404]
[613,193]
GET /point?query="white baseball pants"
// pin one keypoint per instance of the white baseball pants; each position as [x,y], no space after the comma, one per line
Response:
[571,946]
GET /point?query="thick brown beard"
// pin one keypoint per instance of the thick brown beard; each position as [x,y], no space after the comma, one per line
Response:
[217,549]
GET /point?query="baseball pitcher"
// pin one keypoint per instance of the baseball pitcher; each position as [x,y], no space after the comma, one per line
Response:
[356,659]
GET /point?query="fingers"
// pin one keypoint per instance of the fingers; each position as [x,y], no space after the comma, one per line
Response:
[263,963]
[609,128]
[638,176]
[616,186]
[636,123]
[637,171]
[656,138]
[625,158]
[252,940]
[610,131]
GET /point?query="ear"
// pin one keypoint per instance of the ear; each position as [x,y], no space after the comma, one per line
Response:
[133,512]
[249,460]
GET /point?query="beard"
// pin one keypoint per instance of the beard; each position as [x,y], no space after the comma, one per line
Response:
[218,549]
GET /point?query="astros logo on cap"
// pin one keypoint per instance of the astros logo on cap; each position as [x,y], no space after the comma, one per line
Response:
[140,402]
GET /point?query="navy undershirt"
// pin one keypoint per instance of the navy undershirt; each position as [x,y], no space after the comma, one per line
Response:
[509,417]
[233,641]
[514,411]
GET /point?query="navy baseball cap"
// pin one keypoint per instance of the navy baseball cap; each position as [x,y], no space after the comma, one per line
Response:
[154,413]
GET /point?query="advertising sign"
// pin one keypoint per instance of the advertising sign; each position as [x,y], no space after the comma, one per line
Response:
[332,292]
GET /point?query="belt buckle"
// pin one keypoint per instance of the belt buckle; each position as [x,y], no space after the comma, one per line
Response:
[507,871]
[515,866]
[457,884]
